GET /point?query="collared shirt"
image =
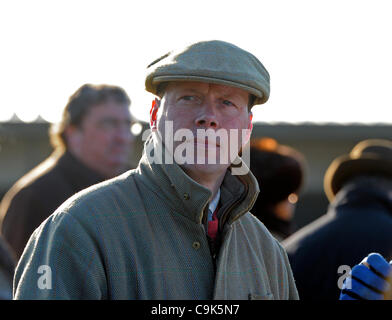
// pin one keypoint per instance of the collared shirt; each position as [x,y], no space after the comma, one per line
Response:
[213,205]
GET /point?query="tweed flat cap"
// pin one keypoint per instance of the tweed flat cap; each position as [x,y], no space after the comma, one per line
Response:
[213,62]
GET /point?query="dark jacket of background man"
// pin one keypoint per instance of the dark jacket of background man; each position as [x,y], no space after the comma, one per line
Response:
[358,221]
[38,194]
[7,266]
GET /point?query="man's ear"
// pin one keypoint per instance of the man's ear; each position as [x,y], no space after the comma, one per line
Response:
[153,113]
[249,129]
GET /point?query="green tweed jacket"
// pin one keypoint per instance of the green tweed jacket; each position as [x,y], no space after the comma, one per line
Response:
[141,236]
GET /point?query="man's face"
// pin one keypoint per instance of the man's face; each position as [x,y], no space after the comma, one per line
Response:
[212,107]
[104,139]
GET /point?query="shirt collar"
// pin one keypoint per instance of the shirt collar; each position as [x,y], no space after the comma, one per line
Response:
[214,203]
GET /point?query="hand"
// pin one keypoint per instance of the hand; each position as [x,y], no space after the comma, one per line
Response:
[368,280]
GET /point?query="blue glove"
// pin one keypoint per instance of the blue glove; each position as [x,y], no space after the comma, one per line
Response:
[368,280]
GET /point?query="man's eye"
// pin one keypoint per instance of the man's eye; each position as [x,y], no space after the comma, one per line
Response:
[107,124]
[228,103]
[188,98]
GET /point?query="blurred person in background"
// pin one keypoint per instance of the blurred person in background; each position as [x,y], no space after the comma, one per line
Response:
[279,170]
[91,143]
[358,221]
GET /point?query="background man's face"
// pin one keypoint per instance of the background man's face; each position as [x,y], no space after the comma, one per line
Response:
[199,105]
[105,139]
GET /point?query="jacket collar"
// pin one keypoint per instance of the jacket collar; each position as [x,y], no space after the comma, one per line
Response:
[365,191]
[78,174]
[189,198]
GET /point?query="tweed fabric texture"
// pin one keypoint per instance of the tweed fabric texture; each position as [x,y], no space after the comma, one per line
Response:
[213,62]
[138,237]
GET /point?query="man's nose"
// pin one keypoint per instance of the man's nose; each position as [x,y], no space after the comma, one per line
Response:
[207,116]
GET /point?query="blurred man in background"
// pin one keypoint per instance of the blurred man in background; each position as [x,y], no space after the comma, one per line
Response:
[92,143]
[279,171]
[358,221]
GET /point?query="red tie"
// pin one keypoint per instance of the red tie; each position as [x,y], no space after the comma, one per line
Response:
[213,225]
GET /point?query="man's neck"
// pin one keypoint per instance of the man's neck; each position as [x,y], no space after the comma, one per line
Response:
[105,172]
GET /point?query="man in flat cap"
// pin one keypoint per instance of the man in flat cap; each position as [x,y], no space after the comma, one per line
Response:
[178,226]
[358,222]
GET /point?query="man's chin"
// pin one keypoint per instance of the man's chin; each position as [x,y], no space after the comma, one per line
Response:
[203,169]
[118,159]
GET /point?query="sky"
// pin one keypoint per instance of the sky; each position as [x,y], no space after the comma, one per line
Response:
[329,61]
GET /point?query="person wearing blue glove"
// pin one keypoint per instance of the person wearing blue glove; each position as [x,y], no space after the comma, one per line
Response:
[358,221]
[369,280]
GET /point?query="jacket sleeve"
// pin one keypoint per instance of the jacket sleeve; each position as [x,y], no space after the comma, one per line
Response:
[61,261]
[290,282]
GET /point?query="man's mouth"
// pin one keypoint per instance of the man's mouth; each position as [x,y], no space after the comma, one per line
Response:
[206,143]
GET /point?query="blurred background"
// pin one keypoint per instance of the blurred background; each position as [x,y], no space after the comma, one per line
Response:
[329,62]
[24,145]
